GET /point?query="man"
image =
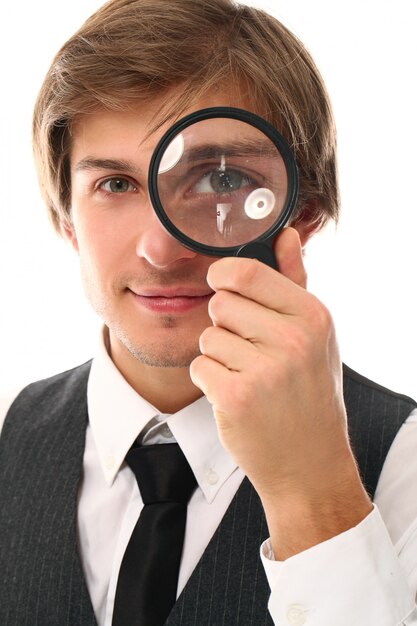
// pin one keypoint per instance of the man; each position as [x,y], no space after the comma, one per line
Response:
[234,361]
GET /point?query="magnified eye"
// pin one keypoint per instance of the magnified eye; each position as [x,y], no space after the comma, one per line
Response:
[219,181]
[117,185]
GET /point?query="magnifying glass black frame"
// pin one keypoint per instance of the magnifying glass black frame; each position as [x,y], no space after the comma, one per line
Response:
[261,246]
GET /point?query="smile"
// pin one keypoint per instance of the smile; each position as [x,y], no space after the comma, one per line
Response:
[176,302]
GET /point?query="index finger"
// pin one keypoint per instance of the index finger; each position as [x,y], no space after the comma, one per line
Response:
[258,282]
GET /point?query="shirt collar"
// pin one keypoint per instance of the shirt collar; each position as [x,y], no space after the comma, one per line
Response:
[117,414]
[194,427]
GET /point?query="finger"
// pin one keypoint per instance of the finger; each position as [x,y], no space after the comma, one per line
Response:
[243,317]
[263,332]
[206,373]
[227,348]
[258,282]
[289,255]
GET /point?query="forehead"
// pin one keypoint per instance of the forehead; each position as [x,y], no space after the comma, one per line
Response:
[131,130]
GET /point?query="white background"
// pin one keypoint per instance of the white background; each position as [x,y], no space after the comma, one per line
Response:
[364,271]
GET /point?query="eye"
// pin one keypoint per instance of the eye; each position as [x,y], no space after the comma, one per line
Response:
[222,181]
[117,185]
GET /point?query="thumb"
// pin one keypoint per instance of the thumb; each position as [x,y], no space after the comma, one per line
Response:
[289,256]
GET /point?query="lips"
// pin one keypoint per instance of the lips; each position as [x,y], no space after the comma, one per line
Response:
[172,300]
[173,292]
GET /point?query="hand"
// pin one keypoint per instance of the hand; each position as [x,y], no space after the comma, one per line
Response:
[270,367]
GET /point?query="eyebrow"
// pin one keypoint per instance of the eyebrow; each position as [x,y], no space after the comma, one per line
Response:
[121,165]
[240,148]
[253,148]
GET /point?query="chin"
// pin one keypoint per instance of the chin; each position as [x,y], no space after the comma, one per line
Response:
[170,351]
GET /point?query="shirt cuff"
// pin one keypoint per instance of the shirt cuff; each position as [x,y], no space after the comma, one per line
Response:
[353,578]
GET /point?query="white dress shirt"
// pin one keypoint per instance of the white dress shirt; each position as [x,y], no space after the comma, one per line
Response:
[109,499]
[366,576]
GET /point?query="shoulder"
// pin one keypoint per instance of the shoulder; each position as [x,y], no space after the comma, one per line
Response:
[62,383]
[52,393]
[363,394]
[375,415]
[6,400]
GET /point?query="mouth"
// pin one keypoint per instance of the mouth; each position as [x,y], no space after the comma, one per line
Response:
[171,301]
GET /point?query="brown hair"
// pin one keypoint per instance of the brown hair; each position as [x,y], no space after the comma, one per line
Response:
[132,50]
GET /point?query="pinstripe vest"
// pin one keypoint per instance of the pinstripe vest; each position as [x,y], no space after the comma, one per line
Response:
[41,454]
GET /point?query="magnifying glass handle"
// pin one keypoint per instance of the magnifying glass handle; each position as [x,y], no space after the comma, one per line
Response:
[258,250]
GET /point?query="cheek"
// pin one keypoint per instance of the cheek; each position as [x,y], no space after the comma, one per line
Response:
[101,259]
[104,242]
[98,272]
[104,220]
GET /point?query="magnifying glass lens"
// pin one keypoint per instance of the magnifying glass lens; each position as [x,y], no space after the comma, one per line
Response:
[222,182]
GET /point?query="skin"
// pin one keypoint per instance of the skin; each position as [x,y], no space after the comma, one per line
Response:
[254,341]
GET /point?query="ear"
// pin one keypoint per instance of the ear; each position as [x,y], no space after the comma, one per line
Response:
[68,233]
[309,222]
[307,229]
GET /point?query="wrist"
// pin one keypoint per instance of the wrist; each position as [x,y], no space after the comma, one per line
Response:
[299,520]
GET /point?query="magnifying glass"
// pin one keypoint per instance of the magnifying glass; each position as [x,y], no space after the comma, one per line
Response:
[224,182]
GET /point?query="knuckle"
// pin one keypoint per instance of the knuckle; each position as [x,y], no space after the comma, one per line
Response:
[299,344]
[246,272]
[207,337]
[303,341]
[261,370]
[259,379]
[321,318]
[196,366]
[241,396]
[218,302]
[303,277]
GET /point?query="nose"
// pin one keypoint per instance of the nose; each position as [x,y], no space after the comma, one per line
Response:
[157,246]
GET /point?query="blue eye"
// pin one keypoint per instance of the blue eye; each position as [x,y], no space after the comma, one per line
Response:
[117,185]
[219,181]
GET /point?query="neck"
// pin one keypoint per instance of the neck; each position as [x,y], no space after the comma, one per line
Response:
[168,389]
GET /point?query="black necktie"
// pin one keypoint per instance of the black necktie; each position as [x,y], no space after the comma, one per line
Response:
[148,577]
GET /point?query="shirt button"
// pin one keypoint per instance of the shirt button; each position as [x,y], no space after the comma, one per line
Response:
[212,477]
[166,431]
[296,615]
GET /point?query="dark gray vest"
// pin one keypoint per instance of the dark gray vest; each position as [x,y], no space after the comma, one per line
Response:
[41,455]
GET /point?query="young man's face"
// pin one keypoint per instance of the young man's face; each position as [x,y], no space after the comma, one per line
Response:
[150,291]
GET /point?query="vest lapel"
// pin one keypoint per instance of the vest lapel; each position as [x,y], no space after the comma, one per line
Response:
[228,585]
[44,582]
